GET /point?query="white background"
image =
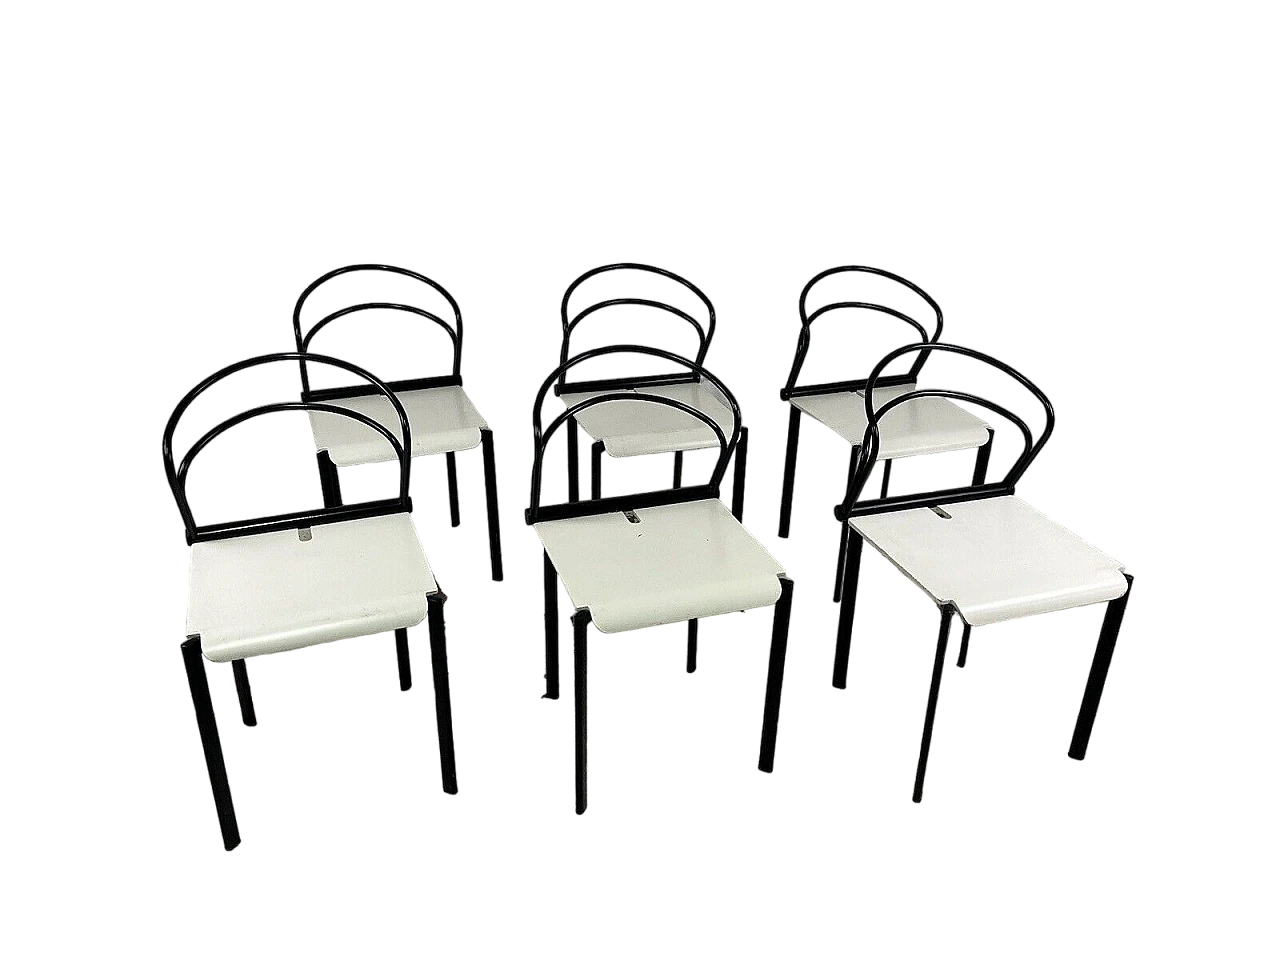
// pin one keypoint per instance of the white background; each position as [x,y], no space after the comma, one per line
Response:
[1089,193]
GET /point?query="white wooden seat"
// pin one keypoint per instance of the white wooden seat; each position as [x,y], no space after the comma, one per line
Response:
[993,559]
[641,429]
[441,419]
[670,564]
[931,425]
[271,592]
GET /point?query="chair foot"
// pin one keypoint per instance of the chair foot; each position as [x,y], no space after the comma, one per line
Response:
[551,618]
[1098,673]
[193,660]
[773,687]
[789,473]
[927,736]
[691,652]
[244,693]
[402,659]
[491,504]
[451,467]
[580,621]
[444,707]
[844,630]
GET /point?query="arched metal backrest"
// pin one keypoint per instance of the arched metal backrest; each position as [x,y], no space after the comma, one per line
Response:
[806,320]
[302,341]
[177,475]
[654,272]
[698,325]
[541,438]
[870,449]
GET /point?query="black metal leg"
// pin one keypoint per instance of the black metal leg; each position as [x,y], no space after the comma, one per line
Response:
[789,473]
[444,708]
[597,451]
[491,503]
[848,598]
[691,649]
[984,458]
[1098,673]
[678,471]
[740,475]
[451,467]
[844,532]
[247,713]
[329,488]
[402,659]
[773,688]
[551,617]
[580,621]
[938,660]
[571,430]
[199,683]
[884,481]
[964,647]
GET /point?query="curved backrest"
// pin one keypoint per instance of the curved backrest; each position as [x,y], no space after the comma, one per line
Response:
[703,324]
[304,336]
[807,318]
[177,474]
[870,448]
[542,437]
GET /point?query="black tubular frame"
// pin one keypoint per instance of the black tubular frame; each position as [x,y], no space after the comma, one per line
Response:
[870,447]
[583,508]
[806,319]
[303,341]
[177,476]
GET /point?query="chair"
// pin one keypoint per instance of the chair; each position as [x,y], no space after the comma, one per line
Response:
[442,416]
[645,429]
[644,559]
[276,583]
[934,426]
[979,551]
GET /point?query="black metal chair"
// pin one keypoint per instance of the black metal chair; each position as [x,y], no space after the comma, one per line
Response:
[443,418]
[644,559]
[977,551]
[934,426]
[648,428]
[269,584]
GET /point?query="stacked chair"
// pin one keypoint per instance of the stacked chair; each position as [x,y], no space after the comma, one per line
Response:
[442,416]
[270,584]
[645,559]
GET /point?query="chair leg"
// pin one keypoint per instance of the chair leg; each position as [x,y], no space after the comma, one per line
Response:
[844,533]
[597,451]
[402,659]
[938,660]
[1098,673]
[691,662]
[884,481]
[551,618]
[773,687]
[844,630]
[330,491]
[984,458]
[193,659]
[491,504]
[964,647]
[571,429]
[580,621]
[244,694]
[451,467]
[789,473]
[444,708]
[678,470]
[740,475]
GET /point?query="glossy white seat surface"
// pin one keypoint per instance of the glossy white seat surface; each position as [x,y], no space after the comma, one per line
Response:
[271,592]
[995,559]
[679,562]
[917,427]
[441,420]
[639,429]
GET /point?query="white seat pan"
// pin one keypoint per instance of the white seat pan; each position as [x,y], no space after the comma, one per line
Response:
[679,562]
[441,420]
[639,429]
[917,427]
[995,559]
[271,592]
